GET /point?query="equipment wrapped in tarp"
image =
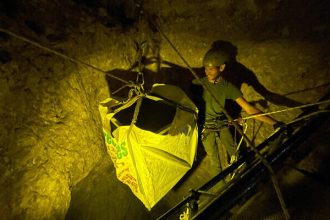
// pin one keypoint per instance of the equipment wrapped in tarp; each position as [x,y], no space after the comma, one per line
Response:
[151,139]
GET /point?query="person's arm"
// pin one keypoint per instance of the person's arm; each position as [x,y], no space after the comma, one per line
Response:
[251,110]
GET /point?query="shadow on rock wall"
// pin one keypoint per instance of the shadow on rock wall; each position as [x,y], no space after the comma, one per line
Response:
[238,74]
[171,73]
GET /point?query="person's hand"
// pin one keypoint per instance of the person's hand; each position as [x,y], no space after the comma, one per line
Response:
[239,121]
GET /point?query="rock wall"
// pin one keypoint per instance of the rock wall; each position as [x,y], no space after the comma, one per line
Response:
[50,129]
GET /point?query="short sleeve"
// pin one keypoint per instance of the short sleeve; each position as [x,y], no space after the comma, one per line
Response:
[196,82]
[233,92]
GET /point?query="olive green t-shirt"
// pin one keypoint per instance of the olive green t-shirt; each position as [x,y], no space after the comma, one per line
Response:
[222,90]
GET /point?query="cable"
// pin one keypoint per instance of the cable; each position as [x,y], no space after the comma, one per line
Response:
[259,155]
[77,61]
[245,125]
[287,109]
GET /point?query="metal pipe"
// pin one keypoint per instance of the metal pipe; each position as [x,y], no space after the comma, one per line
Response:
[234,192]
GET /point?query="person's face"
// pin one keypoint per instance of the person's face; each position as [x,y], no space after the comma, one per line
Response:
[212,73]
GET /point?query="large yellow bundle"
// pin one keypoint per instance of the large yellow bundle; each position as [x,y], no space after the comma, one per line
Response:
[152,153]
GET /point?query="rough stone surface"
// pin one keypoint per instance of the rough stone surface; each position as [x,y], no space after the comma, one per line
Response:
[50,130]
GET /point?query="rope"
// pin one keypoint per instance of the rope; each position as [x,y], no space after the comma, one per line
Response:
[77,61]
[134,86]
[307,116]
[129,145]
[259,155]
[287,109]
[245,125]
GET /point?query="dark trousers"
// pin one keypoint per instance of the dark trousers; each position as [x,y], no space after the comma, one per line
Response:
[216,141]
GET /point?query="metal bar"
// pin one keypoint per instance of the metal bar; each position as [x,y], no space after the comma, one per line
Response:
[220,176]
[254,173]
[233,193]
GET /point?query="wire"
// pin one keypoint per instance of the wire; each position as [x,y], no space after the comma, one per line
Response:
[287,109]
[77,61]
[307,116]
[258,154]
[245,125]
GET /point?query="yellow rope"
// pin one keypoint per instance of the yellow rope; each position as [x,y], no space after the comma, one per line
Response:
[287,109]
[245,125]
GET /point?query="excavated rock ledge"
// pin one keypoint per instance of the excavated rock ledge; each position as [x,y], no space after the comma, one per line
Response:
[50,129]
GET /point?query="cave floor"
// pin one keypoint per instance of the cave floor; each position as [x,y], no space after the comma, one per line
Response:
[304,184]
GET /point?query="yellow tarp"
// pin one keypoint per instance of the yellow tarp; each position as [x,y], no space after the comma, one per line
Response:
[151,162]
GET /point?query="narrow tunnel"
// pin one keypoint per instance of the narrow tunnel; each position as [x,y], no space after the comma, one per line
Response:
[61,59]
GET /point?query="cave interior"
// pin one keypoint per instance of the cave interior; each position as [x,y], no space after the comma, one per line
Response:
[60,59]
